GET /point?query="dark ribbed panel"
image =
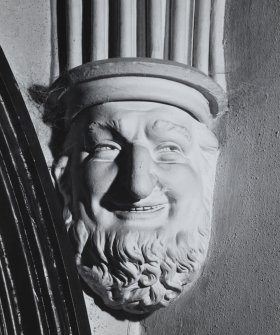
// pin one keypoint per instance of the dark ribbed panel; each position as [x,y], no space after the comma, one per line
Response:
[39,287]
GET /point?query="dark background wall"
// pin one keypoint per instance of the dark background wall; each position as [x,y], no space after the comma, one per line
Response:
[239,292]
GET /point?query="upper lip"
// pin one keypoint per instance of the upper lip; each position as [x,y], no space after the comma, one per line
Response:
[135,207]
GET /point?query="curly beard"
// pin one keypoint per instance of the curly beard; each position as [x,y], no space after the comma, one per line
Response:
[141,271]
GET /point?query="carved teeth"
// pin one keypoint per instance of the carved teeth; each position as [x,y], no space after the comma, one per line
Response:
[144,208]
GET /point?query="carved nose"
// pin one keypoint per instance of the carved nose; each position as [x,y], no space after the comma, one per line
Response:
[142,180]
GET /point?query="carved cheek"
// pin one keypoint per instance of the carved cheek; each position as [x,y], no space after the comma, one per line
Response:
[184,191]
[181,181]
[99,177]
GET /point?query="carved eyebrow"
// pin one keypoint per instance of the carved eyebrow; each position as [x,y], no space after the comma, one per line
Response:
[114,127]
[109,124]
[164,125]
[159,126]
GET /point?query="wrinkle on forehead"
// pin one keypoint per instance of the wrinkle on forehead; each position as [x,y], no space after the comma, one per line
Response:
[159,127]
[129,120]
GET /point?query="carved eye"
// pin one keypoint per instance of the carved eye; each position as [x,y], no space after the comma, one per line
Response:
[169,152]
[106,151]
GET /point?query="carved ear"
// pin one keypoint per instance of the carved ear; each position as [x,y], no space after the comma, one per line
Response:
[209,153]
[206,138]
[62,179]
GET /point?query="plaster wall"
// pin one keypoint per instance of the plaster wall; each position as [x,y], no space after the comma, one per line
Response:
[25,37]
[239,291]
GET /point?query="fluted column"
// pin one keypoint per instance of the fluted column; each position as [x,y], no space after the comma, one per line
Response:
[156,28]
[141,28]
[99,30]
[127,37]
[54,70]
[182,19]
[74,33]
[217,61]
[202,35]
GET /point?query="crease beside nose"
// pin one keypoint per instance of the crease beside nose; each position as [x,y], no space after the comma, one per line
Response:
[142,180]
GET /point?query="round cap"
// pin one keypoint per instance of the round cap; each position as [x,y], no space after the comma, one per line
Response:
[143,79]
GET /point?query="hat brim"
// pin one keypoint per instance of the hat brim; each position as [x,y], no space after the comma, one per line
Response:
[137,79]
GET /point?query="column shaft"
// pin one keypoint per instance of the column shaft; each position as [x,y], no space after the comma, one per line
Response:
[74,33]
[202,35]
[99,30]
[127,19]
[182,18]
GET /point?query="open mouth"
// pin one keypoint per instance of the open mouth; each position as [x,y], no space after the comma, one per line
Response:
[141,209]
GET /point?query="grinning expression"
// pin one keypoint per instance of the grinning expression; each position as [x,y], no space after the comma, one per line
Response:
[138,169]
[138,166]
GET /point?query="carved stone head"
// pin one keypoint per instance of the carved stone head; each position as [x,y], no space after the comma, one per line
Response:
[136,173]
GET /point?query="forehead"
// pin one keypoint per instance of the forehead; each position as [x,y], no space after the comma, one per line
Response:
[134,114]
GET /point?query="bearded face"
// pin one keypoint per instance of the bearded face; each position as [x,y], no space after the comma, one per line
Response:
[137,180]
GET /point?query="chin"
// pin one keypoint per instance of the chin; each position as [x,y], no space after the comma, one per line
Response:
[140,270]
